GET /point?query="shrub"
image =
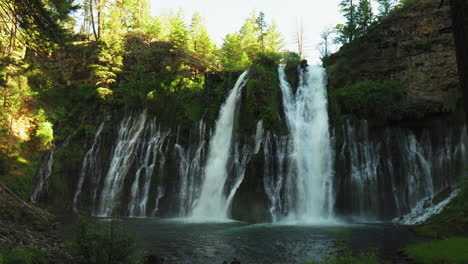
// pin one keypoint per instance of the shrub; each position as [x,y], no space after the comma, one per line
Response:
[103,243]
[24,256]
[375,100]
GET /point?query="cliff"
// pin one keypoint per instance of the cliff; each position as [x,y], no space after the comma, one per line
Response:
[414,47]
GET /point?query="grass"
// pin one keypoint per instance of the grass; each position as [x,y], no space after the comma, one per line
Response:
[453,250]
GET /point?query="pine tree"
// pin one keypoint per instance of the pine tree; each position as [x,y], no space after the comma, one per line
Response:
[261,28]
[347,32]
[249,36]
[233,56]
[385,7]
[179,34]
[364,16]
[273,39]
[200,42]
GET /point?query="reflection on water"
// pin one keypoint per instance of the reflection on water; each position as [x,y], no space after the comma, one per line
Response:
[264,243]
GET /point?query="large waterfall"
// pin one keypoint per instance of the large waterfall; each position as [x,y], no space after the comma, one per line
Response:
[309,179]
[213,202]
[301,172]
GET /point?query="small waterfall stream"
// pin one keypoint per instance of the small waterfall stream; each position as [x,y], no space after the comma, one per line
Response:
[89,166]
[128,139]
[213,203]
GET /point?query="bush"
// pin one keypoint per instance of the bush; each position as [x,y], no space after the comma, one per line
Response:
[103,243]
[374,100]
[24,256]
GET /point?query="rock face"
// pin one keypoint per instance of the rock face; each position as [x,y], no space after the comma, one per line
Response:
[414,46]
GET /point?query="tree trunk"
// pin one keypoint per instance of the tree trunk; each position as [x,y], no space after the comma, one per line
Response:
[459,10]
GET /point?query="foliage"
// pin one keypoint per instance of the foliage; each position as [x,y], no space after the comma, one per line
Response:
[370,99]
[262,98]
[347,32]
[452,250]
[255,37]
[102,243]
[21,255]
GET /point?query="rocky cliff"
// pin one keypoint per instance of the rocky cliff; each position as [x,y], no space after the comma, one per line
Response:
[415,47]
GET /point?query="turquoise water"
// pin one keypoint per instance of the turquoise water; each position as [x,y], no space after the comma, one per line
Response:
[262,243]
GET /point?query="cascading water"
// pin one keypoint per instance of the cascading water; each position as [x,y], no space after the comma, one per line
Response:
[309,190]
[275,158]
[190,171]
[395,172]
[212,203]
[45,171]
[90,165]
[43,175]
[129,133]
[150,153]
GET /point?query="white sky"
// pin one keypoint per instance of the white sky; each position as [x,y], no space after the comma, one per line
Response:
[223,17]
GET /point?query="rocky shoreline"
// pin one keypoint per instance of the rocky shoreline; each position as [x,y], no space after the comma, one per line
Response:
[25,226]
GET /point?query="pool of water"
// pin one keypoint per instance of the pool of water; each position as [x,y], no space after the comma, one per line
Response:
[193,243]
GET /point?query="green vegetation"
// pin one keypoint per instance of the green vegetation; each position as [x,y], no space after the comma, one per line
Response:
[103,243]
[20,255]
[452,250]
[370,99]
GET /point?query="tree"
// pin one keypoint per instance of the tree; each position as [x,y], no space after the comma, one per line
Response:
[385,7]
[261,27]
[347,32]
[179,34]
[300,40]
[324,45]
[233,56]
[273,39]
[200,42]
[364,16]
[249,33]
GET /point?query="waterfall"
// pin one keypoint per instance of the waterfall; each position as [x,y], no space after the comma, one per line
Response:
[397,171]
[128,139]
[149,154]
[190,170]
[274,168]
[43,175]
[309,187]
[45,170]
[212,203]
[89,165]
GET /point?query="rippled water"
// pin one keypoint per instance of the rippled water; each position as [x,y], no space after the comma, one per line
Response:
[263,243]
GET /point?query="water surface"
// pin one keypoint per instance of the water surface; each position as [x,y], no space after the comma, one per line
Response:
[195,243]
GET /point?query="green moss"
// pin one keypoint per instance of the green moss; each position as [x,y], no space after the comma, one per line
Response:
[453,250]
[261,97]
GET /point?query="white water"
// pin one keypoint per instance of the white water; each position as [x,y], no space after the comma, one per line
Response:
[150,153]
[309,188]
[212,203]
[128,138]
[43,175]
[190,171]
[89,166]
[424,210]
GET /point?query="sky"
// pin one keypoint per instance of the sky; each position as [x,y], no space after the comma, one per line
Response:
[223,17]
